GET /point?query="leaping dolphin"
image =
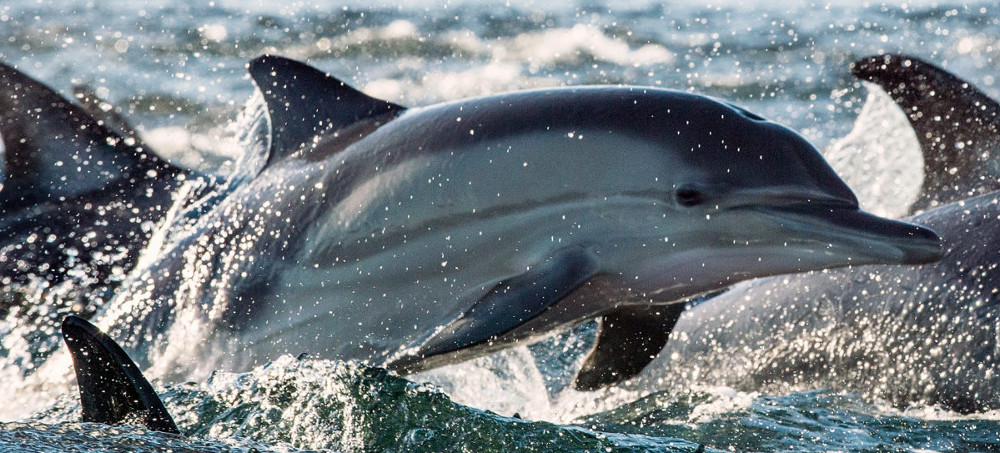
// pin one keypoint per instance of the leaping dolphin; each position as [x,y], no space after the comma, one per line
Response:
[904,334]
[412,238]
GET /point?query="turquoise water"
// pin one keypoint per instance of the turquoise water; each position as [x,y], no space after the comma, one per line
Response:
[178,72]
[295,405]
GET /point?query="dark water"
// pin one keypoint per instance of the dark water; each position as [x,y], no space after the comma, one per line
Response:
[294,405]
[178,71]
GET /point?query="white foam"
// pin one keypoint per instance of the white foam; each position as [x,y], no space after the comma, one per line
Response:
[725,400]
[880,159]
[199,151]
[508,63]
[506,383]
[571,45]
[509,382]
[436,86]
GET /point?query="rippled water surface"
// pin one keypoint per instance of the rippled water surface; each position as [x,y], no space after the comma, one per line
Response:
[178,72]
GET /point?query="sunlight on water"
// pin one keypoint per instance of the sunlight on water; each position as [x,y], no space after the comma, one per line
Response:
[880,159]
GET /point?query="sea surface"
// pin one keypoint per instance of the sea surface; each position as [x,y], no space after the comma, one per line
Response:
[177,71]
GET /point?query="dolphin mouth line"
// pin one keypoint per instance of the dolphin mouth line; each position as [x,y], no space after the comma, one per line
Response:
[882,240]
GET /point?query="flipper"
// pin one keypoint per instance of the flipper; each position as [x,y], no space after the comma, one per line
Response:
[629,338]
[303,102]
[112,389]
[54,149]
[510,304]
[957,125]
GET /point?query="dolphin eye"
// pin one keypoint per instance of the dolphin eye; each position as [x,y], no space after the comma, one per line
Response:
[688,195]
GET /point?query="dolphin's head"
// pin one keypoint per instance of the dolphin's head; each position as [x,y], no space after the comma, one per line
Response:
[743,197]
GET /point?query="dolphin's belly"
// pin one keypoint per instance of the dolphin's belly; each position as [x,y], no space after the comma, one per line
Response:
[371,298]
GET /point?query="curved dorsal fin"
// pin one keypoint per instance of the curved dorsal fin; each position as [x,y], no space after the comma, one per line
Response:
[54,149]
[303,102]
[112,389]
[957,125]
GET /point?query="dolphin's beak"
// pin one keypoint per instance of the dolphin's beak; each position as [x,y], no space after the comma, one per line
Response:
[874,239]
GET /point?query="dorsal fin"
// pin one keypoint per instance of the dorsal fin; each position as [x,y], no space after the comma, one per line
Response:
[303,102]
[957,125]
[54,149]
[104,112]
[112,389]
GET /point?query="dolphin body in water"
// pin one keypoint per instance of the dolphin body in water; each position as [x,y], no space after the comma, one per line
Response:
[413,238]
[79,185]
[81,195]
[76,181]
[903,334]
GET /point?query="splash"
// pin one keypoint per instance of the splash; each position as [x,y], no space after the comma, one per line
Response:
[880,159]
[330,405]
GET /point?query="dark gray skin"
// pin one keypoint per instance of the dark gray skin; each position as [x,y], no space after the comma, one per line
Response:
[112,389]
[928,334]
[81,196]
[71,182]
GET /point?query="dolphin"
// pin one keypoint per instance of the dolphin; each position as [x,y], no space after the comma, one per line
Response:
[903,334]
[81,195]
[76,191]
[416,237]
[958,126]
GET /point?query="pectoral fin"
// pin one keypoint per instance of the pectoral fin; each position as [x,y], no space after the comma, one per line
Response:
[630,337]
[510,303]
[112,389]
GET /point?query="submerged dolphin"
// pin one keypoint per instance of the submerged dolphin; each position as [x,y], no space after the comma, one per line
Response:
[903,334]
[413,238]
[81,192]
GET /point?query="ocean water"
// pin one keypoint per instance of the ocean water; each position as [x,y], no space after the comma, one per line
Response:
[177,71]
